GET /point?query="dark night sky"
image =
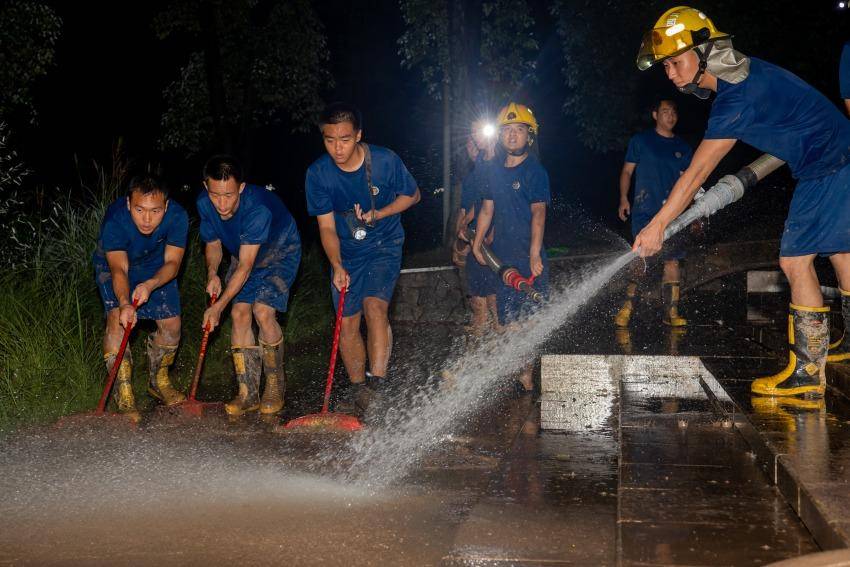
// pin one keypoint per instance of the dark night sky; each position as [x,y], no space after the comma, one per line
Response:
[110,71]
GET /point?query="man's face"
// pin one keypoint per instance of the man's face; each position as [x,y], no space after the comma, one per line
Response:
[224,195]
[682,68]
[666,116]
[340,141]
[147,211]
[514,138]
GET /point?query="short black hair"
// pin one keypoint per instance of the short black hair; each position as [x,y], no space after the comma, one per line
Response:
[222,167]
[146,184]
[338,112]
[657,104]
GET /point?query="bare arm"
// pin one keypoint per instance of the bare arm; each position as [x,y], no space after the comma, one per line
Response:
[247,257]
[401,204]
[708,155]
[213,254]
[482,225]
[463,219]
[173,257]
[330,243]
[119,267]
[538,224]
[626,173]
[847,104]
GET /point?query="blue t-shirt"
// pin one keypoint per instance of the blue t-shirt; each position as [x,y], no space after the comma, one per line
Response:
[260,219]
[472,189]
[146,253]
[660,161]
[513,190]
[844,72]
[330,189]
[779,113]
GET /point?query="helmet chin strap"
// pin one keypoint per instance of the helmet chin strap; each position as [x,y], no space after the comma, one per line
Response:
[693,87]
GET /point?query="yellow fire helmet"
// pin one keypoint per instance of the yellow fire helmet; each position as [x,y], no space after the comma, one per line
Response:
[515,113]
[676,31]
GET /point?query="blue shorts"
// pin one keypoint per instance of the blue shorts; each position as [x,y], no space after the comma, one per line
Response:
[272,274]
[163,303]
[673,249]
[819,217]
[481,281]
[512,305]
[373,273]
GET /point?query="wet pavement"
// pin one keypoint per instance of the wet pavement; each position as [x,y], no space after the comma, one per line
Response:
[661,478]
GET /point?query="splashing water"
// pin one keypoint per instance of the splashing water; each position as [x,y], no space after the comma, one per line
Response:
[385,454]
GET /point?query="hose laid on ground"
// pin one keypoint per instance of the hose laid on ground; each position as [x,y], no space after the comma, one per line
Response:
[729,189]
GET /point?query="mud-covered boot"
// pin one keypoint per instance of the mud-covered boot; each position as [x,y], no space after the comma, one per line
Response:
[621,319]
[273,393]
[670,294]
[839,351]
[352,398]
[160,359]
[808,338]
[246,361]
[122,390]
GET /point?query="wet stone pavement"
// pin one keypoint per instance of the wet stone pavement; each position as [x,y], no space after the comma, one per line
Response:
[661,475]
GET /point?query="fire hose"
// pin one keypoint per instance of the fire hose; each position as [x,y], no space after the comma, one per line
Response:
[729,189]
[509,275]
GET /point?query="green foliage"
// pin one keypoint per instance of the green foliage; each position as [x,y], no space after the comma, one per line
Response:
[505,54]
[266,61]
[28,36]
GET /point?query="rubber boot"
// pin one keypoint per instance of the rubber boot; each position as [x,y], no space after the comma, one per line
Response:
[160,359]
[122,390]
[839,351]
[621,319]
[808,338]
[246,361]
[624,340]
[272,401]
[353,398]
[670,294]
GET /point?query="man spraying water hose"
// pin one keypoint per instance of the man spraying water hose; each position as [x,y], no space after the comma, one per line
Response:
[357,193]
[655,158]
[775,111]
[255,227]
[139,251]
[515,201]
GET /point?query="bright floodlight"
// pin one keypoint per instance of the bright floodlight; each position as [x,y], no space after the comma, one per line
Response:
[488,130]
[842,5]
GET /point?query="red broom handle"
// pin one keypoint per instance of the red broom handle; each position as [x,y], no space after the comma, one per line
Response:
[334,349]
[203,354]
[101,405]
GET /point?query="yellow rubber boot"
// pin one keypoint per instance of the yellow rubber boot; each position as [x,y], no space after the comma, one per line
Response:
[808,339]
[670,295]
[247,363]
[273,393]
[621,319]
[839,351]
[160,359]
[122,390]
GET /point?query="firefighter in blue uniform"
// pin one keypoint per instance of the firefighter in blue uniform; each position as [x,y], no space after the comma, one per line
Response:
[655,158]
[777,112]
[514,204]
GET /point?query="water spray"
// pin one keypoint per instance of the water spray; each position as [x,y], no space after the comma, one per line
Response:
[509,275]
[729,189]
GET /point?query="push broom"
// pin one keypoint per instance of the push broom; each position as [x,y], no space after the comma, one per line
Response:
[325,421]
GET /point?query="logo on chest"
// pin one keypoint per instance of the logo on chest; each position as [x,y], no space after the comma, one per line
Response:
[516,185]
[678,155]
